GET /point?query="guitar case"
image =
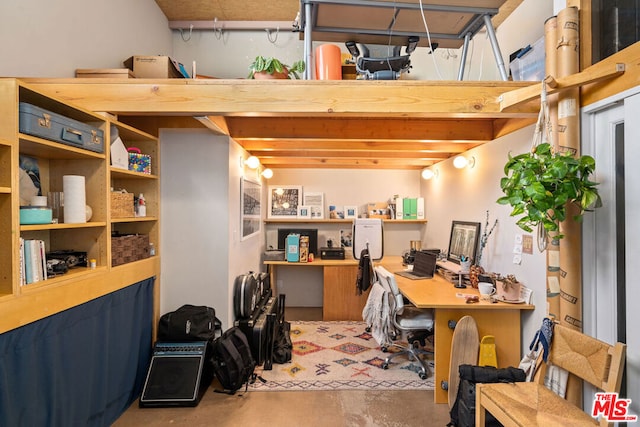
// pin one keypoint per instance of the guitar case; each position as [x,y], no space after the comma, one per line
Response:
[246,295]
[260,330]
[264,285]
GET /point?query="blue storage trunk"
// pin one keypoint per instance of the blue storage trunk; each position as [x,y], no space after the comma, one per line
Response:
[45,124]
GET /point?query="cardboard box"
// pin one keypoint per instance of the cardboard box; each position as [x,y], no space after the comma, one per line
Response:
[153,67]
[105,73]
[378,210]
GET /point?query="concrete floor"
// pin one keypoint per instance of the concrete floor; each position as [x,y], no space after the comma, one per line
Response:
[298,408]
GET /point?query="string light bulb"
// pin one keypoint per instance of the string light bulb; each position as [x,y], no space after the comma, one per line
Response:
[428,173]
[267,173]
[252,162]
[460,162]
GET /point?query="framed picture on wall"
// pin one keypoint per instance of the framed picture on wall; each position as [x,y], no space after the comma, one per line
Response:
[250,208]
[284,201]
[315,201]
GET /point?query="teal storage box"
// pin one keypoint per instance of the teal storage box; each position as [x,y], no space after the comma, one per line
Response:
[35,215]
[293,248]
[45,124]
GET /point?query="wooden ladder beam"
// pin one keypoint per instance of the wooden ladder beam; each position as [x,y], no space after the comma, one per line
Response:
[590,75]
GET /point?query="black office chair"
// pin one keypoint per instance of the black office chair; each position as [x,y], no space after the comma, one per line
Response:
[416,323]
[387,64]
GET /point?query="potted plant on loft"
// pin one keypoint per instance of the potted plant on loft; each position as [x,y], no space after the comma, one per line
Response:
[272,68]
[540,184]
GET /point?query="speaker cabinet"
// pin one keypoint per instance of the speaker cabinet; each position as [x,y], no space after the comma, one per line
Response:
[178,375]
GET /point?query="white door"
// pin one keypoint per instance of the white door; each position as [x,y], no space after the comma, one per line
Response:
[611,134]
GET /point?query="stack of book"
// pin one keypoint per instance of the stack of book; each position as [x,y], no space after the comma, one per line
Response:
[33,263]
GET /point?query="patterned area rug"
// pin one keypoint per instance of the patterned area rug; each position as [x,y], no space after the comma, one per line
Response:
[340,356]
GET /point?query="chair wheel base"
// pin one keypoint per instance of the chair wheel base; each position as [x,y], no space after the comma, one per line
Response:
[385,365]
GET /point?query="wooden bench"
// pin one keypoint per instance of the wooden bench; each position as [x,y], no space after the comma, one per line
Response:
[532,404]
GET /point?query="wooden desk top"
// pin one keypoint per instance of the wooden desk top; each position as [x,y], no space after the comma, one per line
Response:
[439,293]
[318,262]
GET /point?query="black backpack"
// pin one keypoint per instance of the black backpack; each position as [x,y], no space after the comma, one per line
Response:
[463,411]
[232,361]
[189,323]
[282,344]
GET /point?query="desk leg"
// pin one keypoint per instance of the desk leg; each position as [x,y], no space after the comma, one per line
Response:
[271,269]
[504,325]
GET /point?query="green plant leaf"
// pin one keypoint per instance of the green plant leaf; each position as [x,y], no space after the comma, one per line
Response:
[540,184]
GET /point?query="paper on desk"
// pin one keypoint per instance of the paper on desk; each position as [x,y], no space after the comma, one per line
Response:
[525,294]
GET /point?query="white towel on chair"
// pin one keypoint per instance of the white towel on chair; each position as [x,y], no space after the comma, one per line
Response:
[377,315]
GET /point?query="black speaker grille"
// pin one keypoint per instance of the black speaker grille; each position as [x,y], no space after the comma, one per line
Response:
[172,379]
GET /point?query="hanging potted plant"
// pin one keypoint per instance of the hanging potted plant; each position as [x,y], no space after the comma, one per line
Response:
[272,68]
[540,184]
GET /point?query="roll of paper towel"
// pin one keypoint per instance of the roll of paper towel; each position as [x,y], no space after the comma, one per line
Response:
[74,199]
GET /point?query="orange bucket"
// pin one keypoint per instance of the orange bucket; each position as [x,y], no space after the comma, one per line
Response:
[328,62]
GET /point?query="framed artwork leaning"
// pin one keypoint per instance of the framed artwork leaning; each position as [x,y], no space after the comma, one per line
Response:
[284,201]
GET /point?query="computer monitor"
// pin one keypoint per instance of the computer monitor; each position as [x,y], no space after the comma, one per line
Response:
[311,232]
[463,241]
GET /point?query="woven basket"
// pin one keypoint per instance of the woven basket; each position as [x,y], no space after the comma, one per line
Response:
[129,248]
[122,205]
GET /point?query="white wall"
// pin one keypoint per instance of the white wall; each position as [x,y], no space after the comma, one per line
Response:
[194,220]
[42,38]
[229,55]
[200,219]
[244,255]
[467,194]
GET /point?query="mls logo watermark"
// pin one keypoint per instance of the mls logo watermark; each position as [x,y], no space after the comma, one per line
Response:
[612,408]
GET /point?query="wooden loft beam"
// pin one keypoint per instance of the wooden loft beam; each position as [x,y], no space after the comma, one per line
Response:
[361,128]
[598,91]
[216,124]
[195,97]
[353,154]
[345,163]
[265,146]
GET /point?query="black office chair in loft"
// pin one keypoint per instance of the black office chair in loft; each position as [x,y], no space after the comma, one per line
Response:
[382,62]
[416,324]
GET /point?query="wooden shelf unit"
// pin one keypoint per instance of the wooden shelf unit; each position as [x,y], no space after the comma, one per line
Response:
[22,304]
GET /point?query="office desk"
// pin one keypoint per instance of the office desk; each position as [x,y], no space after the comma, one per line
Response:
[339,299]
[500,319]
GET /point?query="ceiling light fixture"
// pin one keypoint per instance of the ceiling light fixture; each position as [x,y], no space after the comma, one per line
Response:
[252,162]
[428,173]
[460,162]
[267,173]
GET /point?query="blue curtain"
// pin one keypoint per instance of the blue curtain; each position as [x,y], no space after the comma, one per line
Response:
[80,367]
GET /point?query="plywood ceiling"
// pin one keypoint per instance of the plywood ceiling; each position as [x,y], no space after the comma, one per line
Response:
[286,10]
[229,10]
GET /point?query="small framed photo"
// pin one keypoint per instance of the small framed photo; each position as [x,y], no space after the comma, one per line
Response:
[304,212]
[315,201]
[350,212]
